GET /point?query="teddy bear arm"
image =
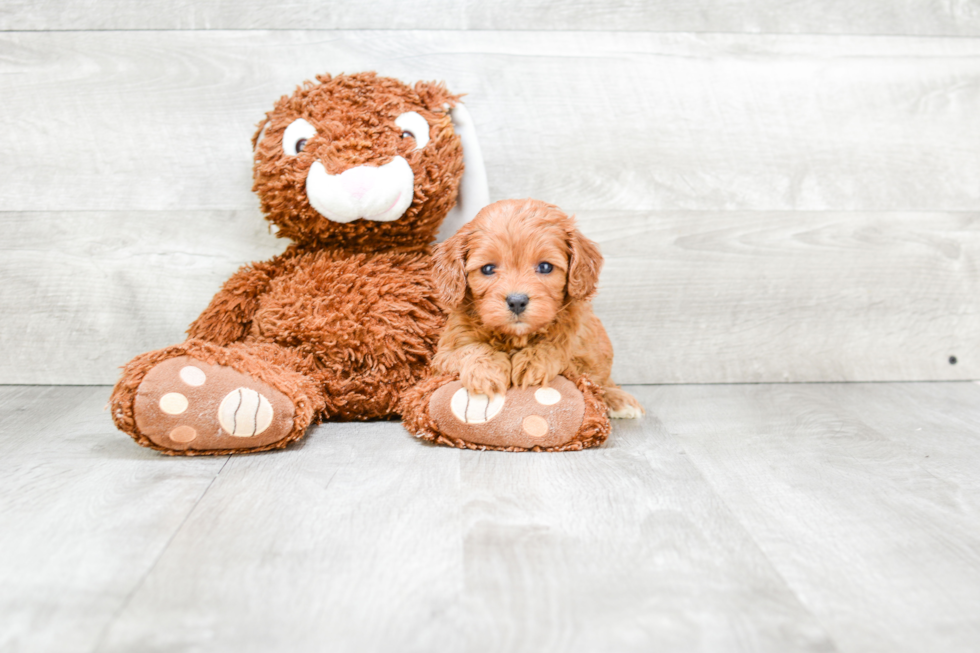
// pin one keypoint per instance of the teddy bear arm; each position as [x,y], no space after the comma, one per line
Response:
[228,317]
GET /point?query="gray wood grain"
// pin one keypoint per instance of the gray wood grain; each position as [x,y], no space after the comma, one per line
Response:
[685,296]
[127,197]
[367,540]
[837,17]
[24,409]
[770,297]
[940,422]
[590,121]
[831,517]
[625,548]
[350,541]
[84,514]
[84,292]
[879,542]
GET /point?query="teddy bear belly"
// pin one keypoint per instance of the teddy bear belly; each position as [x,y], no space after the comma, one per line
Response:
[360,324]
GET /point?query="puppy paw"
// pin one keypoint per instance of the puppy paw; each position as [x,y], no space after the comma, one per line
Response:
[627,412]
[623,405]
[486,378]
[533,367]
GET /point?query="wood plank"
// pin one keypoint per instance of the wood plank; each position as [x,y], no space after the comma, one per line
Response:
[938,423]
[773,16]
[773,297]
[792,123]
[591,120]
[84,515]
[686,296]
[349,541]
[26,410]
[735,518]
[85,292]
[882,550]
[364,539]
[625,548]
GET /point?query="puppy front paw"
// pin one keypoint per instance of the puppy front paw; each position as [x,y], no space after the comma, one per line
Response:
[484,378]
[531,367]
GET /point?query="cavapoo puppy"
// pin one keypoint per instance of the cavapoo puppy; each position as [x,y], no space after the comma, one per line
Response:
[519,280]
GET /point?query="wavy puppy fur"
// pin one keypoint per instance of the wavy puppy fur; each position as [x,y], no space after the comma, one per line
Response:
[518,282]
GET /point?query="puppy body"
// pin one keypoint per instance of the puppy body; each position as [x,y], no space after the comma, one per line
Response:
[518,281]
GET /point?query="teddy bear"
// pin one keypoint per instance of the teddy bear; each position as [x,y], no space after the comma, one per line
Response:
[568,415]
[358,171]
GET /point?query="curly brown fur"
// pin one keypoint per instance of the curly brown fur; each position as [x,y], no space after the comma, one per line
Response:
[347,317]
[355,120]
[530,249]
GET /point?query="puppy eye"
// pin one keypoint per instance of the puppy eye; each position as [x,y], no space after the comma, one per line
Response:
[296,136]
[414,126]
[488,269]
[544,268]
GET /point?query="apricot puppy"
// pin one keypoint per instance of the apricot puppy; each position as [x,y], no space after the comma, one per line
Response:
[519,280]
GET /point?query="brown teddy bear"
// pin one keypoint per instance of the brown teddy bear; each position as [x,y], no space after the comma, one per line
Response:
[359,171]
[568,415]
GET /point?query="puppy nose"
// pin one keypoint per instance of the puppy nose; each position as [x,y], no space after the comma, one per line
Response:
[517,303]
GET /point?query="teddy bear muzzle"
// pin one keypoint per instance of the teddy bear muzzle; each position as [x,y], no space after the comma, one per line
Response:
[376,193]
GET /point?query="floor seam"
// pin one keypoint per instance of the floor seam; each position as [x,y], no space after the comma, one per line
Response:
[139,584]
[678,442]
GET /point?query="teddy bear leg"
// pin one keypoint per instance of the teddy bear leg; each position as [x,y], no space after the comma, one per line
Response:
[200,398]
[565,416]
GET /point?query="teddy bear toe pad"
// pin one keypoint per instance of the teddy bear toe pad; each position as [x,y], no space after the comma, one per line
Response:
[183,403]
[543,417]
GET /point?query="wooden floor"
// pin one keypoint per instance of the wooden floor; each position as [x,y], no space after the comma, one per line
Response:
[825,517]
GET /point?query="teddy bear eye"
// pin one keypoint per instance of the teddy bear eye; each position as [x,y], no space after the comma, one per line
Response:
[296,136]
[488,269]
[544,268]
[414,125]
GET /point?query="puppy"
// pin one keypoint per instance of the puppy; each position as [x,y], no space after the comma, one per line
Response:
[518,281]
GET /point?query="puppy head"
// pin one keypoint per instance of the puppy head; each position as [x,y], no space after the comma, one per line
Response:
[519,262]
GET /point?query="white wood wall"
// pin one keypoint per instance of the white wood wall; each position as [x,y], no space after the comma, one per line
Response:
[784,191]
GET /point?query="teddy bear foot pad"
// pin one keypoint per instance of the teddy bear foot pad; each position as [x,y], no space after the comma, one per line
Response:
[185,404]
[536,417]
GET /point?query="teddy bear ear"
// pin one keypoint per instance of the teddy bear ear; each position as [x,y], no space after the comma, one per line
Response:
[259,132]
[473,192]
[435,96]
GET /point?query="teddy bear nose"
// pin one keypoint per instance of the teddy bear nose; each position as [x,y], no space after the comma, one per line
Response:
[358,181]
[517,302]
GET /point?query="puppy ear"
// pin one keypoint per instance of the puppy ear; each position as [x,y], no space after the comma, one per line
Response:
[584,264]
[449,268]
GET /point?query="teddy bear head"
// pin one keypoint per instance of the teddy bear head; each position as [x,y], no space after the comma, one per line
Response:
[359,162]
